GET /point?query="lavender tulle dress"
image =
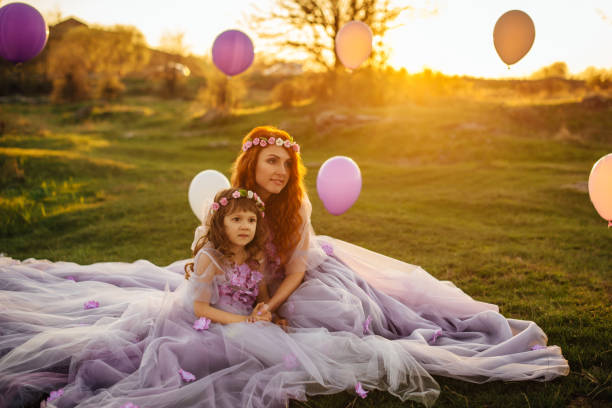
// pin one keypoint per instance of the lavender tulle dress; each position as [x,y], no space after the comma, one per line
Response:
[358,317]
[140,344]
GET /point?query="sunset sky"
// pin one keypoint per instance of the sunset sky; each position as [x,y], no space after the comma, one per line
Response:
[456,40]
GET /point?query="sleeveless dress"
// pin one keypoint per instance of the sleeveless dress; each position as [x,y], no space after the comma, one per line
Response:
[114,334]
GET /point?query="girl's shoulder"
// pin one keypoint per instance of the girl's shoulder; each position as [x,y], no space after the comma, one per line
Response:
[207,261]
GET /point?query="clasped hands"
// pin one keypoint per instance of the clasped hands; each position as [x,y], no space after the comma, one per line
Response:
[261,312]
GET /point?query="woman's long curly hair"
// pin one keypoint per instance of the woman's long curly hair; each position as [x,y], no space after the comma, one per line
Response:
[282,209]
[217,236]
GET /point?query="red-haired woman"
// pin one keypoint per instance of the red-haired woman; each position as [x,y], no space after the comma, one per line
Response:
[318,281]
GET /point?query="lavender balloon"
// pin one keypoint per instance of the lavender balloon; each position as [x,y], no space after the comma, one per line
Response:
[23,32]
[232,52]
[339,184]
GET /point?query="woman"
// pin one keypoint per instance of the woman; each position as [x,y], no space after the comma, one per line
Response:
[348,288]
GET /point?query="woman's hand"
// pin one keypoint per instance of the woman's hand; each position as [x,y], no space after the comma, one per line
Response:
[280,321]
[261,312]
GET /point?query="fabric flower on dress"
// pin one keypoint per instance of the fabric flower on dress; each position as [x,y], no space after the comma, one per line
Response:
[435,336]
[91,304]
[360,391]
[538,347]
[328,249]
[55,395]
[201,324]
[290,361]
[186,375]
[129,405]
[366,324]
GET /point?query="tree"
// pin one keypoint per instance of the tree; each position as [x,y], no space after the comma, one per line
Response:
[310,27]
[90,62]
[555,70]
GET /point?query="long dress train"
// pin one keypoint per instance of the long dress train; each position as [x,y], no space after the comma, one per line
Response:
[140,344]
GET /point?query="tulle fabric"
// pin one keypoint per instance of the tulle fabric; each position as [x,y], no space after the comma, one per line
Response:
[131,348]
[348,288]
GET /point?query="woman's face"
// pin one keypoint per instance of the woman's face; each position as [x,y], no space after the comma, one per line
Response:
[273,169]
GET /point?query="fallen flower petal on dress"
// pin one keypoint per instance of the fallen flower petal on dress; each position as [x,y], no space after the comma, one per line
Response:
[186,375]
[91,304]
[360,391]
[201,324]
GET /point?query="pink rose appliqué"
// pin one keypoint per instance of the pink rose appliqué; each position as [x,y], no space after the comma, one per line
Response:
[366,324]
[186,375]
[55,395]
[360,391]
[290,361]
[91,304]
[201,324]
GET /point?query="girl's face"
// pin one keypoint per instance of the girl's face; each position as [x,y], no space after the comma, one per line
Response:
[240,227]
[273,170]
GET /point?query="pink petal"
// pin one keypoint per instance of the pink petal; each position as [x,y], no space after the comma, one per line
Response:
[186,375]
[360,391]
[366,324]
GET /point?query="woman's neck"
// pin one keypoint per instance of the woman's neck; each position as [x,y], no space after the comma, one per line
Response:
[263,194]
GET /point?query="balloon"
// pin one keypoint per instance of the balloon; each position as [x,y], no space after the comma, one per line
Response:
[339,184]
[600,187]
[203,188]
[513,36]
[23,32]
[232,52]
[354,44]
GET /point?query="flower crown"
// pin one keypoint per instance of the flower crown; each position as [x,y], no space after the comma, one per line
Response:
[263,142]
[223,201]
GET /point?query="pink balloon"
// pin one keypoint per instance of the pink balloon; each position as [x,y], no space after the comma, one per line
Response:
[339,184]
[232,52]
[600,187]
[354,44]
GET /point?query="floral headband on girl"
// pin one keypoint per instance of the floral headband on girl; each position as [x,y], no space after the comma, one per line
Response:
[263,142]
[203,229]
[237,194]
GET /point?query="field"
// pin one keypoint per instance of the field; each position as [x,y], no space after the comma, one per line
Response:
[489,194]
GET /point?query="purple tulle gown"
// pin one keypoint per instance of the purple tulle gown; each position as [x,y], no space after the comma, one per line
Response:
[114,334]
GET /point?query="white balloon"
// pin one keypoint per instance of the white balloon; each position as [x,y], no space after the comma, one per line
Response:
[202,190]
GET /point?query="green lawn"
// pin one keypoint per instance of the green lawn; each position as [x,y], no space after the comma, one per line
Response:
[491,196]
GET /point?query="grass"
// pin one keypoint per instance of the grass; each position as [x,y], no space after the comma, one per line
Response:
[487,194]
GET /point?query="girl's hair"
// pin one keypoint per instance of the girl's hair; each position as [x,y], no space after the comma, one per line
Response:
[282,209]
[216,234]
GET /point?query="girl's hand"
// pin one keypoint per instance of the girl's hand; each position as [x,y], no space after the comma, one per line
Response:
[261,312]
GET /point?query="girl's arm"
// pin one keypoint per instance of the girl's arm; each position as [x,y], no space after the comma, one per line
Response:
[204,309]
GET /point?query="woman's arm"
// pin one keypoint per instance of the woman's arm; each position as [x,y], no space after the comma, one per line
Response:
[286,288]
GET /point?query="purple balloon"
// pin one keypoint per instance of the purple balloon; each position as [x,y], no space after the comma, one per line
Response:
[339,184]
[23,32]
[232,52]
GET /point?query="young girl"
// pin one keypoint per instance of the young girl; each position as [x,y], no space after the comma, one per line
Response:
[227,261]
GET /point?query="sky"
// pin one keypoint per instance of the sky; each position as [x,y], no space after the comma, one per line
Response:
[457,39]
